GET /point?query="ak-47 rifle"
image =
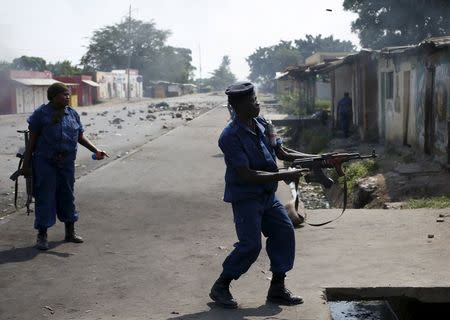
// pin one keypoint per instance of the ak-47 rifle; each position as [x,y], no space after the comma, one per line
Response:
[327,160]
[19,172]
[316,165]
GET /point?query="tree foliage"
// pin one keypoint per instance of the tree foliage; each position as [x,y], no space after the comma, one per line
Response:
[266,61]
[64,68]
[383,23]
[29,63]
[222,77]
[171,64]
[141,46]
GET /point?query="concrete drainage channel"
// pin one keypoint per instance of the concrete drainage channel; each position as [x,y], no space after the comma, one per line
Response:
[389,303]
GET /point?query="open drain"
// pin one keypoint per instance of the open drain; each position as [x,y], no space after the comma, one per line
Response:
[389,303]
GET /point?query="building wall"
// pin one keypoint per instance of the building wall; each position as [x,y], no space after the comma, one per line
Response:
[287,86]
[323,90]
[441,103]
[107,90]
[121,81]
[7,95]
[28,98]
[341,79]
[424,125]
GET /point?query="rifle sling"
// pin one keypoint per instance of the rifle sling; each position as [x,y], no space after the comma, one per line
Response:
[297,201]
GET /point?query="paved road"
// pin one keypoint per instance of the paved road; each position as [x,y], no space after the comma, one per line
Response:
[157,232]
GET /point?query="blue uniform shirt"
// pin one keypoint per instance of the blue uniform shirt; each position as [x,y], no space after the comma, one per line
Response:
[56,139]
[244,148]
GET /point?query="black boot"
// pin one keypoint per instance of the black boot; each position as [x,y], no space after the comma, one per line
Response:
[279,294]
[41,241]
[220,293]
[71,235]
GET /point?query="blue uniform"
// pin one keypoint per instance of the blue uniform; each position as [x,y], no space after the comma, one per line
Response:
[255,207]
[54,165]
[345,114]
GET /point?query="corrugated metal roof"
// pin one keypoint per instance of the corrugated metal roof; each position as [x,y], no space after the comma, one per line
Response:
[438,42]
[91,83]
[35,81]
[279,75]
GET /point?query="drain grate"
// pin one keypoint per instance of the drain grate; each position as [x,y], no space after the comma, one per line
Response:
[389,303]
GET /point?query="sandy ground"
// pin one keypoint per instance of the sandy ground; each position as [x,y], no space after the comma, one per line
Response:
[140,124]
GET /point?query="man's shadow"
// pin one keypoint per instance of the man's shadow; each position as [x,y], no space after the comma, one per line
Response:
[216,312]
[28,253]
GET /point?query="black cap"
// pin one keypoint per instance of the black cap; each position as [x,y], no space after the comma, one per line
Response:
[240,89]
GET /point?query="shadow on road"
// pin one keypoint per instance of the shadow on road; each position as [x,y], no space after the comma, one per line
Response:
[28,253]
[215,312]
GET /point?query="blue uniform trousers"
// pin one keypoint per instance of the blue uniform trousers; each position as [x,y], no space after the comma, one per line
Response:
[253,216]
[53,186]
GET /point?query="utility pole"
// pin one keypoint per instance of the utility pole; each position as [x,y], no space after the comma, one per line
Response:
[129,54]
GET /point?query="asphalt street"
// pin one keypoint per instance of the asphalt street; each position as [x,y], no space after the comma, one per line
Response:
[156,232]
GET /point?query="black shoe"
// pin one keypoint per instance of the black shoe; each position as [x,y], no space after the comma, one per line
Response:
[220,293]
[41,241]
[71,235]
[280,295]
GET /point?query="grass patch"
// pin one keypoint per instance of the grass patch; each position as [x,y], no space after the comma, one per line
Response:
[315,140]
[431,202]
[290,104]
[323,104]
[355,171]
[295,104]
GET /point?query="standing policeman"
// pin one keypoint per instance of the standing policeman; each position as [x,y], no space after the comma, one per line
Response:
[251,180]
[55,131]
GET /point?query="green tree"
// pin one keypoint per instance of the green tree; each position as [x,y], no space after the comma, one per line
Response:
[222,77]
[311,45]
[383,23]
[266,61]
[172,64]
[29,63]
[141,45]
[64,68]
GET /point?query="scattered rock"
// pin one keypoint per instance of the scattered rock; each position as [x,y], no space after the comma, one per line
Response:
[162,105]
[117,121]
[178,115]
[119,127]
[430,236]
[440,220]
[84,113]
[393,205]
[363,192]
